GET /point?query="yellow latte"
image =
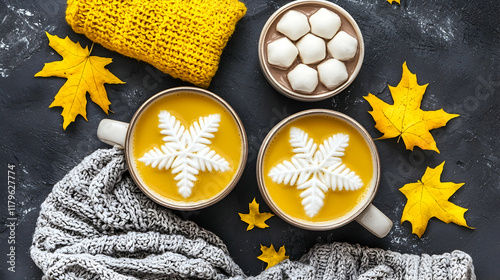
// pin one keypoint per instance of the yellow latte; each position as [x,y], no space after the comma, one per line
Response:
[311,195]
[186,147]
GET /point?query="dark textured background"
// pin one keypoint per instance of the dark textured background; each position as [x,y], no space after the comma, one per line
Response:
[452,45]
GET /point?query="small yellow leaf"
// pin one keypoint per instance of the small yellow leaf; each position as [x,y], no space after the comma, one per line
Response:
[254,217]
[404,119]
[271,257]
[429,198]
[392,1]
[85,73]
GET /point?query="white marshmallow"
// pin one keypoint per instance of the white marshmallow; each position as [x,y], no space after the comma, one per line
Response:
[312,49]
[293,24]
[332,73]
[303,78]
[281,52]
[324,23]
[343,46]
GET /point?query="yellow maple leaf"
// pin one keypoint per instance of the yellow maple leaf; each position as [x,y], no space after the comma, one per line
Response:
[429,198]
[85,73]
[392,1]
[271,257]
[254,217]
[405,119]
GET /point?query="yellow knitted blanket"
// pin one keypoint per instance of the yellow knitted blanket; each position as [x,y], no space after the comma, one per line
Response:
[183,38]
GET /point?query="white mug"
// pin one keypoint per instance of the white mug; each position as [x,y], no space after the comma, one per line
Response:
[121,134]
[363,212]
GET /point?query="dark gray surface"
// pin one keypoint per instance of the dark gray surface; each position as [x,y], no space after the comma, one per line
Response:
[452,45]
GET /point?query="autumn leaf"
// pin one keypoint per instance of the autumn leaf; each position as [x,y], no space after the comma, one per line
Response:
[392,1]
[85,73]
[271,257]
[429,198]
[254,217]
[405,119]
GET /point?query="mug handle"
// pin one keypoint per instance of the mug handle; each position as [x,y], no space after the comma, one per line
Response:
[375,221]
[112,132]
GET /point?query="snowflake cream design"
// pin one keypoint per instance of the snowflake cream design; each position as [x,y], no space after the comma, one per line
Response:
[186,151]
[316,169]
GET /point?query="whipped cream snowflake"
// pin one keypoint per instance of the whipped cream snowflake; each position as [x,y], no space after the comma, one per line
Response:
[186,151]
[316,169]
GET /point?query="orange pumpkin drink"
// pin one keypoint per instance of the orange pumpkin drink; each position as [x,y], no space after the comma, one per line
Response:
[317,169]
[187,148]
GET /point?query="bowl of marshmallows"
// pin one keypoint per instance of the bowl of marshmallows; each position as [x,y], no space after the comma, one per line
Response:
[310,50]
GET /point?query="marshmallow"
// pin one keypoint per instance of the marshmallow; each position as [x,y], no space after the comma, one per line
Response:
[293,25]
[324,23]
[332,73]
[312,49]
[343,46]
[303,78]
[281,52]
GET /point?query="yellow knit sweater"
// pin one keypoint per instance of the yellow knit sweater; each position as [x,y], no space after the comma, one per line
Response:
[183,38]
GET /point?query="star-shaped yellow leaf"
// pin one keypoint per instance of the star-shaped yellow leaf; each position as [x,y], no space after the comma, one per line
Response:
[85,73]
[271,257]
[405,119]
[254,218]
[429,198]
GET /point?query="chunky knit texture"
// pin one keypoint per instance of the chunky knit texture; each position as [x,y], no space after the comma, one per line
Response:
[96,224]
[183,38]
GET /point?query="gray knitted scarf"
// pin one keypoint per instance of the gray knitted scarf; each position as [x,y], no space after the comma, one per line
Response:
[96,224]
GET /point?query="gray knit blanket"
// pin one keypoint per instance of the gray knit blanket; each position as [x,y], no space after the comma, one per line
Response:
[96,224]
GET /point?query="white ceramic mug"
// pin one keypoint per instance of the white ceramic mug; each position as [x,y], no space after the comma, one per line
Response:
[363,212]
[121,134]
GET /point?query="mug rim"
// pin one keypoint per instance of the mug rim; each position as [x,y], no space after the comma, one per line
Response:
[325,225]
[170,203]
[303,96]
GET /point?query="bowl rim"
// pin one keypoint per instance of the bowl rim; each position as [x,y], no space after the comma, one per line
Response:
[326,225]
[170,203]
[302,96]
